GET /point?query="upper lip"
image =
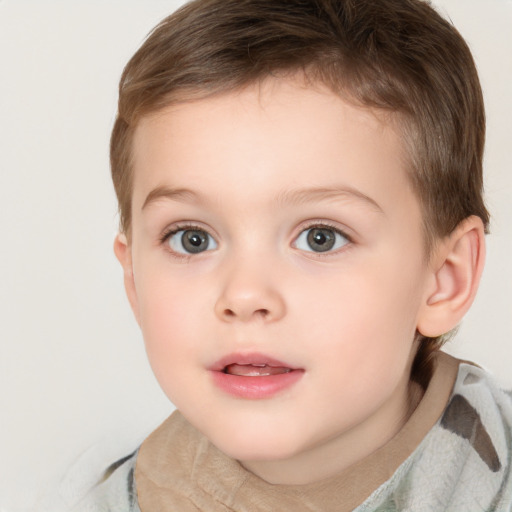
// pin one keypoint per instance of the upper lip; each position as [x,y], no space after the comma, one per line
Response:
[253,358]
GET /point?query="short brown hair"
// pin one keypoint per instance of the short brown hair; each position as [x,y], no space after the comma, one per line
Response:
[398,56]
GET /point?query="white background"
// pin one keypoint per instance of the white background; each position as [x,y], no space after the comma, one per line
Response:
[72,363]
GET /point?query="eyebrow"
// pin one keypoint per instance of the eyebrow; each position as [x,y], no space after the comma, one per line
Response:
[301,196]
[176,194]
[293,197]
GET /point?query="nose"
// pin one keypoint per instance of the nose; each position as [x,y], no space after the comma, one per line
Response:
[249,293]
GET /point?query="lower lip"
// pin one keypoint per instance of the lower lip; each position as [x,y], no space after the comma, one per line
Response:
[255,388]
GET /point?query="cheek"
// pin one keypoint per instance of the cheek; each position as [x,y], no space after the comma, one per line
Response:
[171,313]
[365,312]
[169,328]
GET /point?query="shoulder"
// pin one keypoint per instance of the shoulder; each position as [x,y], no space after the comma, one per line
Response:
[115,490]
[467,455]
[92,485]
[477,397]
[480,413]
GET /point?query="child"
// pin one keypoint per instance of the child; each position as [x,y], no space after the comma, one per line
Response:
[302,226]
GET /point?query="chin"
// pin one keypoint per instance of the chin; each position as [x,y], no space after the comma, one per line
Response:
[244,446]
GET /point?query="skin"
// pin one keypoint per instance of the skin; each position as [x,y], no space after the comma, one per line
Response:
[255,170]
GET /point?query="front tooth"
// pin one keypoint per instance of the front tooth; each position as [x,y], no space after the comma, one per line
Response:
[257,374]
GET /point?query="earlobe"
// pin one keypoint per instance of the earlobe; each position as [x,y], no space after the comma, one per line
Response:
[457,267]
[123,252]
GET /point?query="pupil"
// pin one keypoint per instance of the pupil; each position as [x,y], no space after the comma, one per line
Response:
[195,241]
[321,239]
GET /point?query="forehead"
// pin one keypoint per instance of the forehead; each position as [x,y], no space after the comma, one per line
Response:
[274,136]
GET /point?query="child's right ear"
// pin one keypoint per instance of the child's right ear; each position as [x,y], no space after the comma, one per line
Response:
[123,252]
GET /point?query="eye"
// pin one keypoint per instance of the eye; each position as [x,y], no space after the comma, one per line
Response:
[320,239]
[191,241]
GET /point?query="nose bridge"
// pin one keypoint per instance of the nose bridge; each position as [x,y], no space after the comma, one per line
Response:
[250,289]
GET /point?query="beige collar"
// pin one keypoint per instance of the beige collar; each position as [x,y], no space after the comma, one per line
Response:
[179,469]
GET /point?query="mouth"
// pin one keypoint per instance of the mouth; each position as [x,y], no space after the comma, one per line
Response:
[255,370]
[254,376]
[251,365]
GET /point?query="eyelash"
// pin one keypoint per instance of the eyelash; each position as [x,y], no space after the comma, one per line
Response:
[175,229]
[318,225]
[324,224]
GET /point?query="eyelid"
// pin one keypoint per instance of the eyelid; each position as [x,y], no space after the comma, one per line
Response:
[184,226]
[324,224]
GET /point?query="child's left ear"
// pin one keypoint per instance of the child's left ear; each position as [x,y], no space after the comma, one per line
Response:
[457,265]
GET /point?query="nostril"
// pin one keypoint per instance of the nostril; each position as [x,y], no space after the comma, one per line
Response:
[261,313]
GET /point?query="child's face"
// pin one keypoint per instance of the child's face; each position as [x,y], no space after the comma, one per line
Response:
[277,226]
